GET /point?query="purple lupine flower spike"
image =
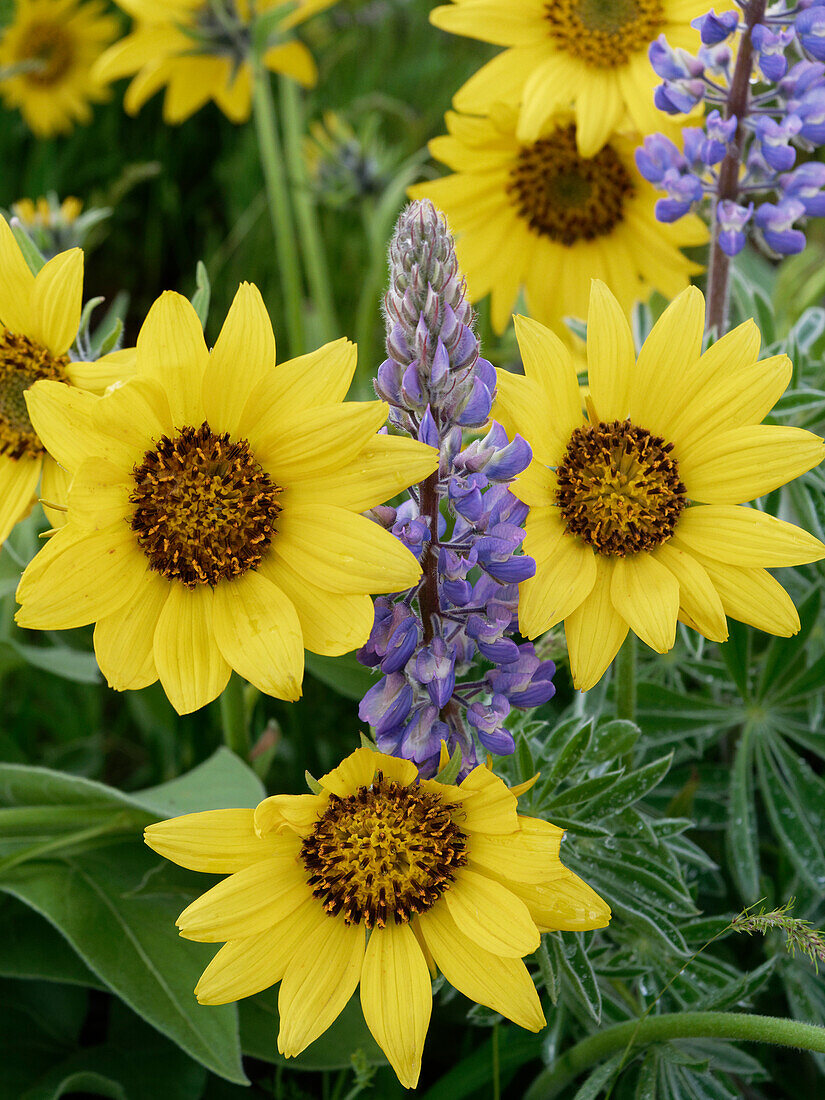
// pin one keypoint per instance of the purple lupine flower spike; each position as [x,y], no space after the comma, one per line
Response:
[438,645]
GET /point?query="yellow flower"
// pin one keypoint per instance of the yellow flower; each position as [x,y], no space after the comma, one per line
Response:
[213,512]
[439,876]
[538,215]
[49,49]
[200,53]
[592,53]
[633,512]
[38,323]
[47,213]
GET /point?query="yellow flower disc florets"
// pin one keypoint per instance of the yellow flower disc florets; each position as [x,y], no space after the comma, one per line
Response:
[22,363]
[51,47]
[387,851]
[619,488]
[205,510]
[565,196]
[604,33]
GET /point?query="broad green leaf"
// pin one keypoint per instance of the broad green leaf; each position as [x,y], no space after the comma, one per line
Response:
[69,664]
[117,908]
[31,948]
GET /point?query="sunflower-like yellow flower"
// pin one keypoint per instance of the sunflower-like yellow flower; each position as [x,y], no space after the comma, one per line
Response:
[39,317]
[539,215]
[592,53]
[47,52]
[634,511]
[200,50]
[212,516]
[379,879]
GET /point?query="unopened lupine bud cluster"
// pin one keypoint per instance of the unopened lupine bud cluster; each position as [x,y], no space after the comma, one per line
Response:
[450,668]
[782,114]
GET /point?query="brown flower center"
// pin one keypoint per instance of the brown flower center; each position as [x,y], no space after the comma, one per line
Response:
[565,196]
[387,851]
[51,48]
[22,363]
[205,510]
[604,33]
[619,488]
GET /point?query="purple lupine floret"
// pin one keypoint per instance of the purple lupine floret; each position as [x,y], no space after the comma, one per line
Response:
[742,158]
[434,642]
[525,682]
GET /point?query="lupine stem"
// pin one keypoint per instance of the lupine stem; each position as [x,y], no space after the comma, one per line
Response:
[306,212]
[626,679]
[233,717]
[277,194]
[428,600]
[676,1025]
[718,289]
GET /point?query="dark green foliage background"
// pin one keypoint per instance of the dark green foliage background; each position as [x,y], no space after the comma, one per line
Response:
[713,801]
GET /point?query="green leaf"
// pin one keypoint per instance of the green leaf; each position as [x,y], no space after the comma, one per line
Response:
[343,674]
[648,1077]
[117,908]
[69,664]
[583,792]
[611,740]
[334,1049]
[203,293]
[631,788]
[736,655]
[740,834]
[449,773]
[782,660]
[599,1078]
[474,1072]
[31,253]
[577,973]
[31,948]
[663,709]
[568,757]
[795,800]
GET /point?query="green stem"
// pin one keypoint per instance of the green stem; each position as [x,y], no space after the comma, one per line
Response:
[496,1066]
[234,717]
[306,211]
[277,195]
[368,311]
[626,679]
[676,1025]
[126,821]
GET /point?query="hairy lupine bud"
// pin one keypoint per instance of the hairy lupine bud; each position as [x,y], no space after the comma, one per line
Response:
[435,644]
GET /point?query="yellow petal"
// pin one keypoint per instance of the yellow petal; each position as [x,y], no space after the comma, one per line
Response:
[345,552]
[319,980]
[298,812]
[357,770]
[249,901]
[331,623]
[738,465]
[672,348]
[502,984]
[611,356]
[17,311]
[57,300]
[234,96]
[133,417]
[396,996]
[524,856]
[594,631]
[320,441]
[698,599]
[99,495]
[258,632]
[490,915]
[746,537]
[523,408]
[117,366]
[562,582]
[383,468]
[61,416]
[219,842]
[491,807]
[18,482]
[319,378]
[124,640]
[246,966]
[565,904]
[547,362]
[187,90]
[536,486]
[294,60]
[244,353]
[89,575]
[754,597]
[190,665]
[646,595]
[54,486]
[599,110]
[172,352]
[402,771]
[502,24]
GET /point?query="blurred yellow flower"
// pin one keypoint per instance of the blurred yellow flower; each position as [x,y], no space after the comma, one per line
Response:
[39,318]
[43,213]
[634,512]
[538,215]
[200,50]
[213,516]
[46,57]
[440,876]
[591,53]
